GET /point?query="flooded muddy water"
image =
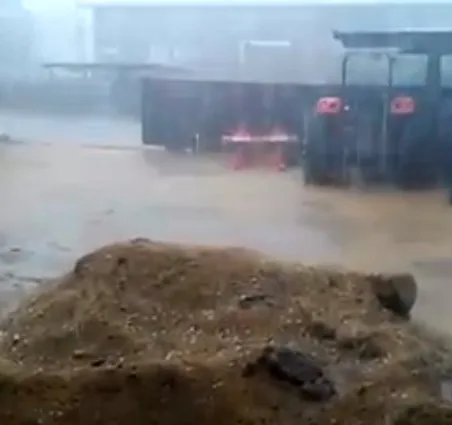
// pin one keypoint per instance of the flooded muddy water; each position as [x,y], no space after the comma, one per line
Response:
[59,201]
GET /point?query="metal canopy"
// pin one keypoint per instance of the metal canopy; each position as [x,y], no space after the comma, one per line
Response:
[131,68]
[423,41]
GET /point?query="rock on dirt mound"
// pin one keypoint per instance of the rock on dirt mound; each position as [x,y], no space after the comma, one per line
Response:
[147,333]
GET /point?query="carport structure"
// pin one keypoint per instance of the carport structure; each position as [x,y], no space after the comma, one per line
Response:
[119,84]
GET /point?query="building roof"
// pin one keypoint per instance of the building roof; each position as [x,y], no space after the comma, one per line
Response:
[279,3]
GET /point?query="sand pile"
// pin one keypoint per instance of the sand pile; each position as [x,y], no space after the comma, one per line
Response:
[146,333]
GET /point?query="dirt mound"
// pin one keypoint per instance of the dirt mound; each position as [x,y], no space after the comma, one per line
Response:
[147,333]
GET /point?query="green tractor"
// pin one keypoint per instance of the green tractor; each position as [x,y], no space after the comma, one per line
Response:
[390,119]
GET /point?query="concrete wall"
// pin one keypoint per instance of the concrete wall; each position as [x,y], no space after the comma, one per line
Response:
[209,39]
[62,35]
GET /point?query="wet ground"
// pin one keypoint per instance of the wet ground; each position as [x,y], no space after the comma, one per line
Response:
[62,199]
[70,130]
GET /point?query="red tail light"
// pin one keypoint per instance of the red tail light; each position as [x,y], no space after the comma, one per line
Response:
[402,105]
[329,105]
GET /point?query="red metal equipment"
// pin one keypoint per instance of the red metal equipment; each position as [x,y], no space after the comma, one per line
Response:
[251,149]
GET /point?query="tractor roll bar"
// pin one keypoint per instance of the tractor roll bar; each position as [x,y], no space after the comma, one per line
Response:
[421,41]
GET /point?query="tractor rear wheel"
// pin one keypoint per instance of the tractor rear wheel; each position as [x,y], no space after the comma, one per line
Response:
[315,166]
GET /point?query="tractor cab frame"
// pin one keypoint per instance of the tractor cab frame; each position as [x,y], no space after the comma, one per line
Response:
[392,131]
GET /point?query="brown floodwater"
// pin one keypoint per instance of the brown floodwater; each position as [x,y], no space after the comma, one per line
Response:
[59,201]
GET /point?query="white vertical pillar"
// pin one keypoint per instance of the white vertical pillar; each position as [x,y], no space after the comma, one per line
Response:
[85,34]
